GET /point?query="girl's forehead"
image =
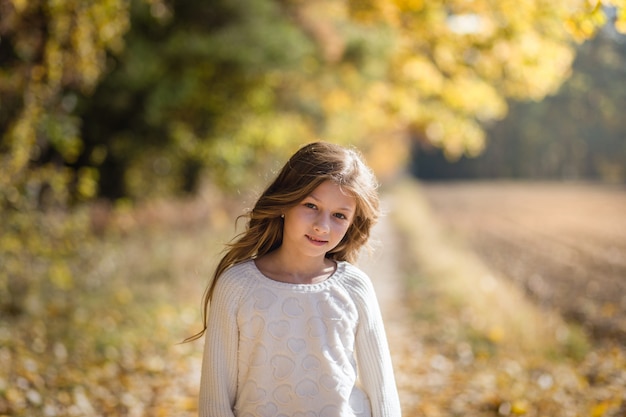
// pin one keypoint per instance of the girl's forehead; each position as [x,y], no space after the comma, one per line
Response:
[331,192]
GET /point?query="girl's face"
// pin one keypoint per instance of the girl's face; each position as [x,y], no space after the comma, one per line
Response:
[318,223]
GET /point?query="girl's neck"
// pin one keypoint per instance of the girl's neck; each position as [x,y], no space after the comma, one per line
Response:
[279,266]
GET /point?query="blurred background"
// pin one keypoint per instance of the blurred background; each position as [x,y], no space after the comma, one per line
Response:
[132,132]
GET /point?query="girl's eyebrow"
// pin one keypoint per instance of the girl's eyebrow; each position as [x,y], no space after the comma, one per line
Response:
[346,209]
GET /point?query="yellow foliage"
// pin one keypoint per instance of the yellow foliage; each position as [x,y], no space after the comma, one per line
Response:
[189,403]
[496,334]
[387,155]
[520,407]
[336,101]
[61,276]
[10,243]
[414,48]
[590,16]
[381,67]
[73,45]
[88,182]
[21,137]
[620,18]
[423,74]
[123,295]
[600,409]
[410,5]
[472,96]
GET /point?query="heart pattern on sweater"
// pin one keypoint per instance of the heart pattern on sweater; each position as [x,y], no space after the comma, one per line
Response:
[307,389]
[292,307]
[264,298]
[279,329]
[267,410]
[310,363]
[296,345]
[253,327]
[282,394]
[317,327]
[283,366]
[253,392]
[330,411]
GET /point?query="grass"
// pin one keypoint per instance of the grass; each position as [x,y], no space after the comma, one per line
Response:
[109,344]
[488,309]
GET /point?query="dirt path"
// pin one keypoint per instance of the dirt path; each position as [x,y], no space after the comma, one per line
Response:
[382,265]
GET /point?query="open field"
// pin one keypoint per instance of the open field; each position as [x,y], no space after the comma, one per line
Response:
[479,343]
[565,244]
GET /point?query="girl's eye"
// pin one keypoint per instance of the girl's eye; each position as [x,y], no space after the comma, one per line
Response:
[341,216]
[310,205]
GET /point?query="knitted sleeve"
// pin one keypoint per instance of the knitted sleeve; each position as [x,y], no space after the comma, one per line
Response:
[218,383]
[372,353]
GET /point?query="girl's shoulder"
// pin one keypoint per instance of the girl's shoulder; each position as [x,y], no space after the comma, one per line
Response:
[239,276]
[359,287]
[353,271]
[355,279]
[244,267]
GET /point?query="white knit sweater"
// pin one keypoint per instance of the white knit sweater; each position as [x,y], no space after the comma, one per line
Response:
[279,349]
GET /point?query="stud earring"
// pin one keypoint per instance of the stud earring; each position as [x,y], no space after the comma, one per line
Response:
[282,216]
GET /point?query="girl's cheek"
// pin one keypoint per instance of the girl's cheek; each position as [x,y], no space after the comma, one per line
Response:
[341,229]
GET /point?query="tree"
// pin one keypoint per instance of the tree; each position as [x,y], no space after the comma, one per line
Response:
[193,92]
[212,88]
[575,133]
[51,52]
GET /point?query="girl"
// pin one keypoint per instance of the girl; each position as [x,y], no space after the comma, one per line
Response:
[292,327]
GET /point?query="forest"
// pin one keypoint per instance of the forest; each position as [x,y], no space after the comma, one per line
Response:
[131,131]
[574,134]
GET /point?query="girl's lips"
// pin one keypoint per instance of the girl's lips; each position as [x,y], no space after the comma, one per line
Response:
[316,240]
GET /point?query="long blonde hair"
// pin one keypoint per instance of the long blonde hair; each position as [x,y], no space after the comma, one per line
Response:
[309,167]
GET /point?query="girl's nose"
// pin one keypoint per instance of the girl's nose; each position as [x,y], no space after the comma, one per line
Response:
[321,224]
